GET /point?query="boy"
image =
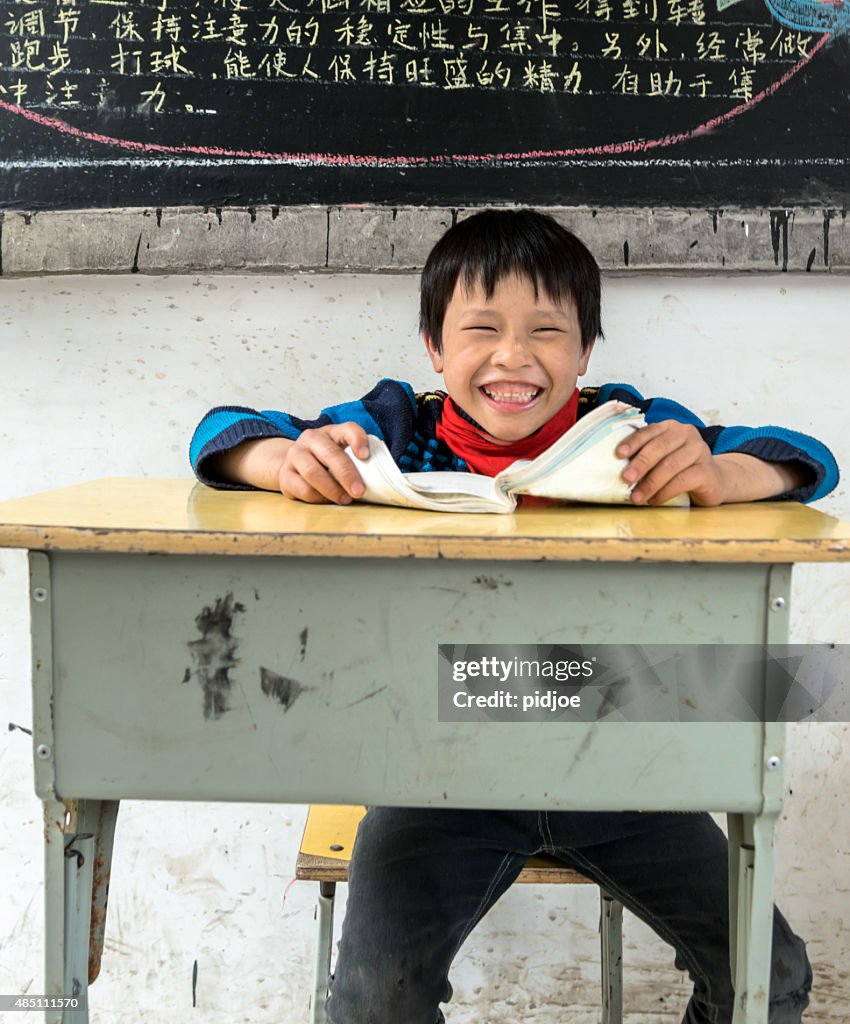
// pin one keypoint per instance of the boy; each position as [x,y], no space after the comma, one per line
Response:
[510,311]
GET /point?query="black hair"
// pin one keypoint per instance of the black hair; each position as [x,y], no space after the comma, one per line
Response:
[494,244]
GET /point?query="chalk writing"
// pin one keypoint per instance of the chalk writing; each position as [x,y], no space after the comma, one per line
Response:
[422,101]
[152,58]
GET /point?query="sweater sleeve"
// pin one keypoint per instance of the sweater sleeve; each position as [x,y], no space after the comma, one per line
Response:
[388,411]
[769,443]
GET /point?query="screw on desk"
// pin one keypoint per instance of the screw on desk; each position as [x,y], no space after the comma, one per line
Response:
[773,763]
[39,594]
[71,852]
[43,751]
[78,854]
[777,604]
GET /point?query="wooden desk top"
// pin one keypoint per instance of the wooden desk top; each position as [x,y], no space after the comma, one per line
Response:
[144,515]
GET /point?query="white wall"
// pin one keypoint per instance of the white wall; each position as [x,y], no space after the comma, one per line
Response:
[108,375]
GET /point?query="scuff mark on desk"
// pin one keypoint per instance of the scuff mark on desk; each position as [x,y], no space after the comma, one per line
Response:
[302,642]
[366,696]
[646,768]
[214,654]
[585,743]
[491,582]
[281,688]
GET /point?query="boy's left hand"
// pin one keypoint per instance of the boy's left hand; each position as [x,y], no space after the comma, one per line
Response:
[670,458]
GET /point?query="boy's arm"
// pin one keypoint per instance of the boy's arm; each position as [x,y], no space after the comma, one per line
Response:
[220,439]
[235,447]
[722,464]
[670,458]
[251,463]
[313,468]
[747,478]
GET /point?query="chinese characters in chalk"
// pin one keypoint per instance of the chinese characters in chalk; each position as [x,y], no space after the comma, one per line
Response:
[93,54]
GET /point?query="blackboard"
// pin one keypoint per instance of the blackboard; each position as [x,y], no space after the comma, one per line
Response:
[694,103]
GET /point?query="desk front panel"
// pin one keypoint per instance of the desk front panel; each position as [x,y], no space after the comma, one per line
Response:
[315,680]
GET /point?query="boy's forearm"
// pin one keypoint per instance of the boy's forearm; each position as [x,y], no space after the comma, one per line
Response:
[256,463]
[746,478]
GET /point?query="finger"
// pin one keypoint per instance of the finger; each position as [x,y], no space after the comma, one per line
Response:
[638,438]
[672,429]
[353,435]
[689,482]
[698,482]
[319,478]
[653,453]
[325,451]
[661,473]
[293,486]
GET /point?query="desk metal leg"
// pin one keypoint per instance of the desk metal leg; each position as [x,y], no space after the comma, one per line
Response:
[324,944]
[751,846]
[78,856]
[54,905]
[751,839]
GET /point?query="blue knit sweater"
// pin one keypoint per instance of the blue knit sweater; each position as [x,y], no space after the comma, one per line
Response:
[407,422]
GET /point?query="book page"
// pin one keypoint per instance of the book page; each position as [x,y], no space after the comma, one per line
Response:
[582,465]
[436,492]
[454,484]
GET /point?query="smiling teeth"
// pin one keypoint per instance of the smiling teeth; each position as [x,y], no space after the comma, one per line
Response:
[511,396]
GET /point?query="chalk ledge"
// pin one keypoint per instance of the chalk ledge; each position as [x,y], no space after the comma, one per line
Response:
[397,239]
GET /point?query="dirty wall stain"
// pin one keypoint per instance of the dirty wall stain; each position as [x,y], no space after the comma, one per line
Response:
[214,655]
[281,688]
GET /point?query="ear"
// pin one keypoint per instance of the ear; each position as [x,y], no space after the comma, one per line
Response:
[584,359]
[435,356]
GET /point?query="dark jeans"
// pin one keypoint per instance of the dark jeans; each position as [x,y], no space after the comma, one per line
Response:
[421,880]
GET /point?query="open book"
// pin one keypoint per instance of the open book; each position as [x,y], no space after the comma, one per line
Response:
[579,466]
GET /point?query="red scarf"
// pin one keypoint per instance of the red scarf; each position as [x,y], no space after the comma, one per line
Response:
[483,455]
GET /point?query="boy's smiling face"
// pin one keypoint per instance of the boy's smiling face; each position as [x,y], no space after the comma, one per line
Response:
[509,361]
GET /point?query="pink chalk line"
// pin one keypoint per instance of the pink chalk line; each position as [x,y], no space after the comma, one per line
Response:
[353,160]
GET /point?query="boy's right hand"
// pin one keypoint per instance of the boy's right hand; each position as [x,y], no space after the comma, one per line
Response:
[316,469]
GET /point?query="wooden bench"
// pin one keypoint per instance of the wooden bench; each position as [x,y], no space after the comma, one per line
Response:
[324,855]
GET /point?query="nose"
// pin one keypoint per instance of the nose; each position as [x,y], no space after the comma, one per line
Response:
[513,350]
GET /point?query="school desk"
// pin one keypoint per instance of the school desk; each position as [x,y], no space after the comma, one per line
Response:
[190,644]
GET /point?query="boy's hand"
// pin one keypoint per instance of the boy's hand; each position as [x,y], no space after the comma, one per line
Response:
[316,469]
[670,458]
